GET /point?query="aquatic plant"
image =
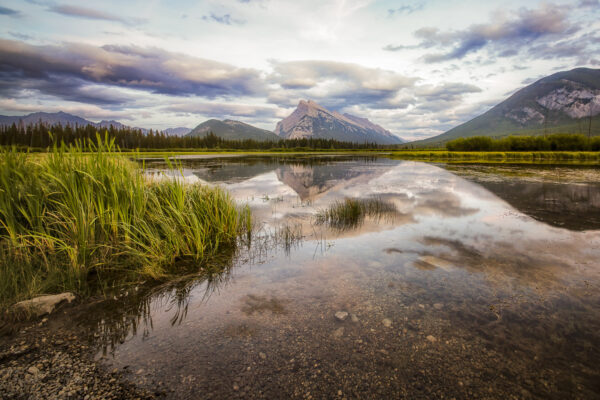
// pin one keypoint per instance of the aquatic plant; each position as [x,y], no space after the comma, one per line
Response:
[351,212]
[84,219]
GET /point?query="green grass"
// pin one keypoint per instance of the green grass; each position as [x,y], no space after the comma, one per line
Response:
[350,213]
[500,156]
[89,221]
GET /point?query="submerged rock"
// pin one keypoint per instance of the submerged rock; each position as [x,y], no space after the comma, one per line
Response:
[42,305]
[341,315]
[435,262]
[338,332]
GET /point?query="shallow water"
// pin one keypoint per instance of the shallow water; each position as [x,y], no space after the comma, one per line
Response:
[482,284]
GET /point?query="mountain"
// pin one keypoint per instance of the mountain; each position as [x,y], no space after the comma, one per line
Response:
[559,103]
[60,118]
[46,118]
[179,131]
[232,130]
[312,120]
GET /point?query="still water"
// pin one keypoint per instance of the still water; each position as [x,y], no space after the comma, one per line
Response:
[483,283]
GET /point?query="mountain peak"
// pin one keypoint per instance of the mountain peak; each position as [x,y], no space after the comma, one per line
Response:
[558,103]
[230,129]
[310,119]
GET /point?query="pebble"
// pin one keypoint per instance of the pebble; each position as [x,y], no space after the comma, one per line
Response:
[438,306]
[341,315]
[387,322]
[338,332]
[262,355]
[33,370]
[353,318]
[431,338]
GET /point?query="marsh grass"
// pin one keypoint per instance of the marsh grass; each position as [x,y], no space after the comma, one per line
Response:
[350,213]
[85,219]
[500,156]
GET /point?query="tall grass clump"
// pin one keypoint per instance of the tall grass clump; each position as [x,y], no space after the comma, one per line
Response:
[83,219]
[350,212]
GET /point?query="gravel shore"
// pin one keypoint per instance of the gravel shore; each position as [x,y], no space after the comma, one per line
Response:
[51,359]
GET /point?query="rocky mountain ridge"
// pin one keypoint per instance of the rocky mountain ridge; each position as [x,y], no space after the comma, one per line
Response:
[310,119]
[565,102]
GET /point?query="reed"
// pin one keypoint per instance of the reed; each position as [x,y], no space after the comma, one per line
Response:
[85,219]
[350,212]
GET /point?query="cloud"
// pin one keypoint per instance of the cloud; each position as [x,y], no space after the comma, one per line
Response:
[225,19]
[406,9]
[582,47]
[447,91]
[336,84]
[220,110]
[86,110]
[45,68]
[84,12]
[589,3]
[505,36]
[20,35]
[9,12]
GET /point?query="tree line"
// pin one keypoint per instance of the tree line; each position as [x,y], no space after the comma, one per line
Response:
[555,142]
[41,136]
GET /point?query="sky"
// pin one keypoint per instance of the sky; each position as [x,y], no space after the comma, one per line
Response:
[417,68]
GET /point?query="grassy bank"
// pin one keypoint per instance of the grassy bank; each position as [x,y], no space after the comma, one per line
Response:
[89,221]
[500,156]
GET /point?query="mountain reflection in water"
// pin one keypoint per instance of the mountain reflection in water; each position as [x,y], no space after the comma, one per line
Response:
[462,284]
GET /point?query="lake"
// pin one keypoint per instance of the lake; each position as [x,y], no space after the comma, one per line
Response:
[477,281]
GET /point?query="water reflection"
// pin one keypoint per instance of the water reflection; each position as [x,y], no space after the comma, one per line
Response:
[460,284]
[557,195]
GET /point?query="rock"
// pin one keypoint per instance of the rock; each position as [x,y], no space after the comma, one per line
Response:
[33,370]
[387,322]
[353,318]
[42,305]
[338,333]
[431,338]
[341,315]
[436,262]
[438,306]
[262,355]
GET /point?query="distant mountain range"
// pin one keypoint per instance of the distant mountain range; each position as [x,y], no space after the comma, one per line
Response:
[559,103]
[308,120]
[64,119]
[180,131]
[312,120]
[232,130]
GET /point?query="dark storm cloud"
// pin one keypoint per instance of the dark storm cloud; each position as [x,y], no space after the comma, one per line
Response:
[504,36]
[66,88]
[76,66]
